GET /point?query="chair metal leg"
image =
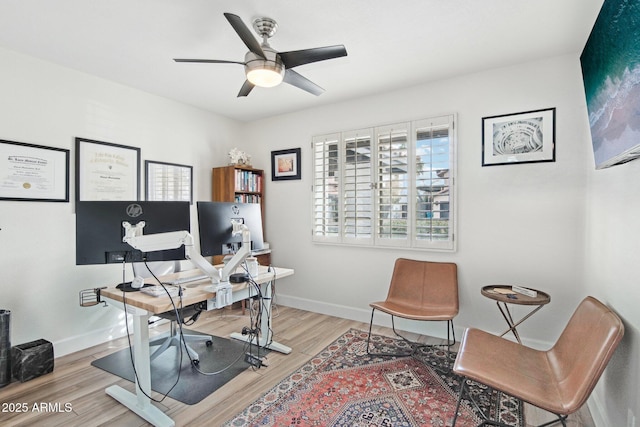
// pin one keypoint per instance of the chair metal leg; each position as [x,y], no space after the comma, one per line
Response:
[394,331]
[455,414]
[414,346]
[561,418]
[486,421]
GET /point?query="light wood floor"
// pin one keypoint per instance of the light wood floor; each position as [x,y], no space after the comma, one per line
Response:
[80,386]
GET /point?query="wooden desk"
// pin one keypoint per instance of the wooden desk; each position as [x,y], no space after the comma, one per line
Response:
[142,306]
[498,293]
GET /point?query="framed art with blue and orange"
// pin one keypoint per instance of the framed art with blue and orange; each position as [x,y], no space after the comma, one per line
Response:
[285,164]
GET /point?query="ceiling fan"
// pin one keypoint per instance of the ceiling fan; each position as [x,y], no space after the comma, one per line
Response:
[266,67]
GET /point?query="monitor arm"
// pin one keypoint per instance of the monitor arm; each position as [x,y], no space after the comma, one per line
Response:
[174,239]
[170,240]
[243,252]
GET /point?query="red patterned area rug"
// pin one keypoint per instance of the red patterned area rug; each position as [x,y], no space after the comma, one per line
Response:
[343,386]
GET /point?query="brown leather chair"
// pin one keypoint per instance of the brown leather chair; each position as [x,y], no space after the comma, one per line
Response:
[558,380]
[420,290]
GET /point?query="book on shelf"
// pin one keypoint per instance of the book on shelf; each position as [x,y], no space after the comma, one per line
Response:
[248,181]
[247,198]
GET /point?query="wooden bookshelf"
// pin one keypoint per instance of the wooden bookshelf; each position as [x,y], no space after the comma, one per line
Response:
[240,184]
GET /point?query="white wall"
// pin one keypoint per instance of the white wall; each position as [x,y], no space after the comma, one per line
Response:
[561,227]
[520,224]
[558,227]
[612,255]
[49,105]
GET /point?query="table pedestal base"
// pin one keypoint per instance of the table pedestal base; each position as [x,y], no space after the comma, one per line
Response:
[504,309]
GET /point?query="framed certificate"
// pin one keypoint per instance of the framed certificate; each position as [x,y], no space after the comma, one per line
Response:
[106,171]
[33,172]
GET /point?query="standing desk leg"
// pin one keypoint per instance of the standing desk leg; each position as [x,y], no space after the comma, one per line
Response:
[265,326]
[139,402]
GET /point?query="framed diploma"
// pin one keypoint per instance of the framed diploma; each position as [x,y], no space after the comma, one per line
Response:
[33,172]
[519,138]
[106,171]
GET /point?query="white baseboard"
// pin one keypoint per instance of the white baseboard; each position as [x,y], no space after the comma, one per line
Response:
[598,411]
[83,341]
[362,315]
[433,329]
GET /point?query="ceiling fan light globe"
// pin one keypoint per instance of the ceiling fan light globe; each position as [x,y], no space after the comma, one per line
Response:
[265,77]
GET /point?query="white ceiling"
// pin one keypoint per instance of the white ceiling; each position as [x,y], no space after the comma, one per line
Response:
[390,44]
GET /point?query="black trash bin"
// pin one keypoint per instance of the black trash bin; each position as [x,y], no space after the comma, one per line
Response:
[5,348]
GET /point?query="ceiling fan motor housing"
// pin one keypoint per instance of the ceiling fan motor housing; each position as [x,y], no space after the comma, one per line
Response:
[270,70]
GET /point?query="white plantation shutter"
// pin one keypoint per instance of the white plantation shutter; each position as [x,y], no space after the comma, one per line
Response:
[433,183]
[389,186]
[357,186]
[392,187]
[326,188]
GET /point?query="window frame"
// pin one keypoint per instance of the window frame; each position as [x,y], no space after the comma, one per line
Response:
[412,240]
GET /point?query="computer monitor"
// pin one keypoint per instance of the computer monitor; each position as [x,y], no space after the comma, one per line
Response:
[214,225]
[99,230]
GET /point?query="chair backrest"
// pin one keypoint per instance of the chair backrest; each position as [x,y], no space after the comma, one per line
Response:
[158,268]
[425,284]
[583,350]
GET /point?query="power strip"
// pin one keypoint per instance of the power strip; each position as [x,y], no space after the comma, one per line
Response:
[253,360]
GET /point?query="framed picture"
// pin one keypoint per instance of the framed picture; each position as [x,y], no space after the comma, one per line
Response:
[106,171]
[285,164]
[168,182]
[526,137]
[33,173]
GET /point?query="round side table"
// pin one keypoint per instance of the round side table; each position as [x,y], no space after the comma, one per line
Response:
[504,295]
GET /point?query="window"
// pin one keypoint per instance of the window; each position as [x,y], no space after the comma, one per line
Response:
[388,186]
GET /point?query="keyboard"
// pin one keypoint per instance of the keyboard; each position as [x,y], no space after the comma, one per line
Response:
[159,291]
[183,280]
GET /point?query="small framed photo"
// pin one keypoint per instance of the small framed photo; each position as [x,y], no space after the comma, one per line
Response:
[33,173]
[526,137]
[168,181]
[285,164]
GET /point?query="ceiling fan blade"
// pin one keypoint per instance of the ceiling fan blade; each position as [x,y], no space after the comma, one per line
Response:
[245,34]
[300,57]
[208,61]
[297,80]
[246,88]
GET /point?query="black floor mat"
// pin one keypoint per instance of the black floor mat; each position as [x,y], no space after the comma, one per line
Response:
[192,386]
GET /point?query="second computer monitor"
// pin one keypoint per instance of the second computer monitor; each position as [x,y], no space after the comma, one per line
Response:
[215,226]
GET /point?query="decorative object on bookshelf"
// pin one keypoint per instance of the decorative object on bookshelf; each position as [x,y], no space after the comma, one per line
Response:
[239,157]
[285,164]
